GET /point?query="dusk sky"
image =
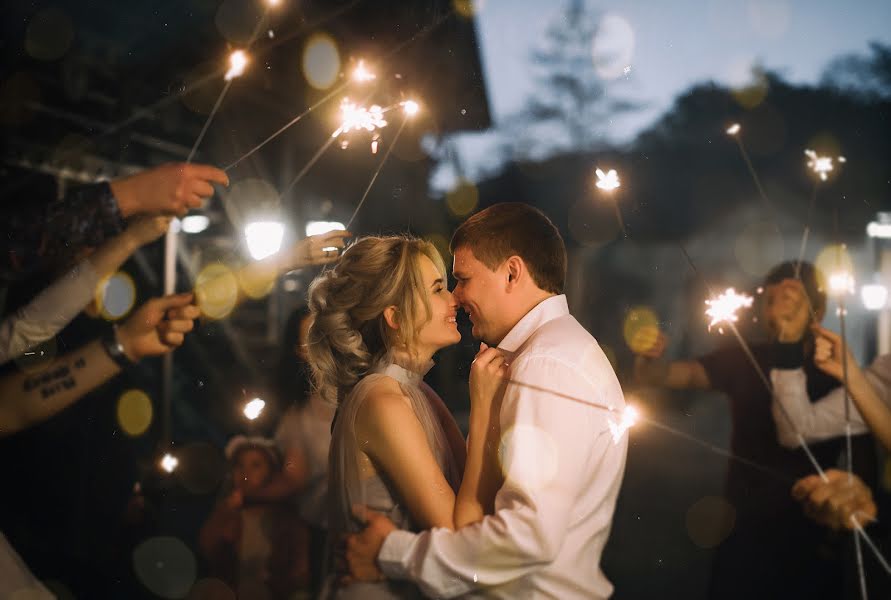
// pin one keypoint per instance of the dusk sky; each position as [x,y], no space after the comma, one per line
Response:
[673,44]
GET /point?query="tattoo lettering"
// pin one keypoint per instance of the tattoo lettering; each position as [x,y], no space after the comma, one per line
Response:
[46,378]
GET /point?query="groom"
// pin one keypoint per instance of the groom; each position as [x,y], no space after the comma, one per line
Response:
[562,468]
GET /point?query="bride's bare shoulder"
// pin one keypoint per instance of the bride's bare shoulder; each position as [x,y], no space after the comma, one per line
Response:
[383,406]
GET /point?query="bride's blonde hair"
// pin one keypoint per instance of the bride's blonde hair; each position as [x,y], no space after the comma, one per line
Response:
[349,333]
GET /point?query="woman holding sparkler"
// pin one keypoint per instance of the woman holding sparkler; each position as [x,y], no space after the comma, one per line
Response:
[378,318]
[773,549]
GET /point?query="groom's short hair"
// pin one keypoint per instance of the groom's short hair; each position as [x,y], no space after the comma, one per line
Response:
[515,229]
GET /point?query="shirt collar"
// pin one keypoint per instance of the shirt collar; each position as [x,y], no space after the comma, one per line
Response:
[546,310]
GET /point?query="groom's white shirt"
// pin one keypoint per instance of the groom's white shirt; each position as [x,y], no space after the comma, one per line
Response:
[563,473]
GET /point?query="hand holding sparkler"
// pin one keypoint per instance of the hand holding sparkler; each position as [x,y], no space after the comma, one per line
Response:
[833,501]
[828,349]
[172,189]
[315,250]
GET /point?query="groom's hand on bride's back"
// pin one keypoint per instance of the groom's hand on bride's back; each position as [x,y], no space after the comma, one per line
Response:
[362,548]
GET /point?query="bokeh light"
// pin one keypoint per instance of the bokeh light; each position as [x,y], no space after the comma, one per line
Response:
[38,358]
[468,8]
[462,199]
[833,259]
[253,409]
[115,296]
[251,200]
[641,329]
[134,412]
[709,521]
[211,589]
[216,291]
[49,35]
[256,283]
[528,456]
[321,61]
[165,566]
[613,46]
[201,467]
[757,248]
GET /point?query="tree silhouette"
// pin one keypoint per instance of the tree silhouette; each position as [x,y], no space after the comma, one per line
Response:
[571,101]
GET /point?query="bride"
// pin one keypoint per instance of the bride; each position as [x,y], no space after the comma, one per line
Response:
[378,317]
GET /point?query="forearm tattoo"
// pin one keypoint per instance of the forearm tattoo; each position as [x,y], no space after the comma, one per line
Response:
[55,380]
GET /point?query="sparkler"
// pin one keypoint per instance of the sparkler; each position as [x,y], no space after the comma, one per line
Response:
[361,74]
[858,530]
[169,462]
[381,164]
[254,408]
[238,60]
[607,181]
[821,165]
[734,131]
[628,420]
[723,309]
[354,117]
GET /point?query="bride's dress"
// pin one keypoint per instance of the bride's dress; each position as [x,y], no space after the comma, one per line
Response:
[348,486]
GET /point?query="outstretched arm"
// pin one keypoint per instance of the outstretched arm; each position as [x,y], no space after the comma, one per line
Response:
[28,399]
[57,305]
[651,369]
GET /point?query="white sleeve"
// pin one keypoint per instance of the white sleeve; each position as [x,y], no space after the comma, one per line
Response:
[49,312]
[795,414]
[547,448]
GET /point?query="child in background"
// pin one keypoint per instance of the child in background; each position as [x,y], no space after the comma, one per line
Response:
[260,550]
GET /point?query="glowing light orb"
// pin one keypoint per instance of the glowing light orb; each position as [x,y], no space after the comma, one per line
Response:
[264,238]
[166,566]
[733,129]
[709,521]
[115,296]
[254,408]
[723,309]
[134,412]
[238,60]
[362,74]
[216,291]
[841,283]
[410,107]
[169,463]
[321,61]
[641,329]
[607,181]
[874,296]
[463,198]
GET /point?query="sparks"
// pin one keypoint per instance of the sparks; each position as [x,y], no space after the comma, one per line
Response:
[362,74]
[237,62]
[410,107]
[723,308]
[253,408]
[821,165]
[629,419]
[841,283]
[169,462]
[607,181]
[359,117]
[733,129]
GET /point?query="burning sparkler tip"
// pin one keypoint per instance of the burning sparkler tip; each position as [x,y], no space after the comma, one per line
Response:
[733,129]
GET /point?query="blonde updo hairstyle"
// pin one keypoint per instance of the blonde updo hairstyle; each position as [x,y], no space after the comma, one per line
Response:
[349,333]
